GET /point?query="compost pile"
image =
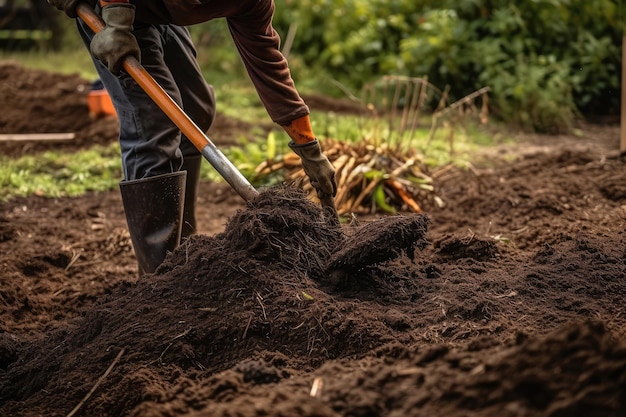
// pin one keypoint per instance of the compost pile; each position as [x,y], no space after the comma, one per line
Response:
[507,301]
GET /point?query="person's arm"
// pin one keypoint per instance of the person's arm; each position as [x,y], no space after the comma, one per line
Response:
[258,44]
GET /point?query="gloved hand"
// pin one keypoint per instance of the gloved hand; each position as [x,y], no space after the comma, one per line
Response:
[320,171]
[116,41]
[68,6]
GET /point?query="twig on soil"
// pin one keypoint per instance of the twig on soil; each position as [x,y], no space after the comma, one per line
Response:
[95,387]
[245,332]
[75,256]
[171,342]
[260,300]
[511,293]
[186,251]
[59,292]
[316,388]
[4,301]
[410,371]
[471,238]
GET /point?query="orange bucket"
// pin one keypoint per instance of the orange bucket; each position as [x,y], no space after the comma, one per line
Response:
[100,103]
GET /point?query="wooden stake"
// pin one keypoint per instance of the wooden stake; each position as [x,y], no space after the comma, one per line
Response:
[36,136]
[622,147]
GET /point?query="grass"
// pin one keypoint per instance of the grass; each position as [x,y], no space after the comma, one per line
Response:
[451,143]
[54,174]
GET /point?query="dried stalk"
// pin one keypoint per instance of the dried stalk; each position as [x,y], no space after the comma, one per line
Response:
[98,382]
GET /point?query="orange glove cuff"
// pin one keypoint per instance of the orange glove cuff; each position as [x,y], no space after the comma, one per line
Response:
[104,3]
[300,130]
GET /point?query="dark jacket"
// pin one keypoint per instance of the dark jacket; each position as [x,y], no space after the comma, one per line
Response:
[250,24]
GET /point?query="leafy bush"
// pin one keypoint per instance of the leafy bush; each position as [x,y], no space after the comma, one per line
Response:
[546,60]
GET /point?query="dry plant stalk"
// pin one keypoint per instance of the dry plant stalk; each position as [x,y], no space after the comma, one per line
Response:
[361,168]
[384,173]
[98,382]
[398,102]
[462,107]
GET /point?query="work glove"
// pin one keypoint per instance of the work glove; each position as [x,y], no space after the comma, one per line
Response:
[320,171]
[116,41]
[68,6]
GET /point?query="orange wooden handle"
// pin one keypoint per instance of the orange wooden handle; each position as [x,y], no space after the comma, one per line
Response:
[175,113]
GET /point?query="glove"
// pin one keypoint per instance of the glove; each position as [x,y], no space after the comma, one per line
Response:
[320,171]
[68,6]
[116,41]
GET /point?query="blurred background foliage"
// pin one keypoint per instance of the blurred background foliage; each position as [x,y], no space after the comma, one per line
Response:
[547,62]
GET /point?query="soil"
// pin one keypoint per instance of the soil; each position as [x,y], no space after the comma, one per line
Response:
[508,300]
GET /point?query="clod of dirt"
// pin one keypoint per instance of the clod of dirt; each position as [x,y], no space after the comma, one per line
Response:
[8,350]
[7,232]
[474,247]
[260,372]
[380,241]
[282,225]
[614,188]
[52,101]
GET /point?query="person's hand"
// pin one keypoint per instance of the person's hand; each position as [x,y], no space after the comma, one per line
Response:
[320,171]
[116,41]
[68,6]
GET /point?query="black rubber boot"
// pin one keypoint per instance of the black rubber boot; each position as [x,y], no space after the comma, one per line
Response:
[154,213]
[193,165]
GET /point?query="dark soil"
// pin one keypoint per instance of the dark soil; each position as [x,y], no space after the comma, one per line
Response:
[508,301]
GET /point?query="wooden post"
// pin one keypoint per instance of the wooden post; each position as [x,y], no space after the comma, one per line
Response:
[6,137]
[622,147]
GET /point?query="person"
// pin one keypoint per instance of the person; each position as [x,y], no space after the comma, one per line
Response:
[161,166]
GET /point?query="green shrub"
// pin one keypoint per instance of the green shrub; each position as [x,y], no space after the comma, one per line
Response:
[546,60]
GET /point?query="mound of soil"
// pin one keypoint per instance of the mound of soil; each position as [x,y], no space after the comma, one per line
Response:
[507,301]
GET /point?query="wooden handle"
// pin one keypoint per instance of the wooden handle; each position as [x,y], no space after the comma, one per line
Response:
[200,140]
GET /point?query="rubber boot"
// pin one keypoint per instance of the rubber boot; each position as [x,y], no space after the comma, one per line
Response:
[154,213]
[193,165]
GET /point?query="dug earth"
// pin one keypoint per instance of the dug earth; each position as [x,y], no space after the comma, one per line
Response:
[508,300]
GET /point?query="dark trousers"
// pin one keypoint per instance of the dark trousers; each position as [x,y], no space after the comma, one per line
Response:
[150,143]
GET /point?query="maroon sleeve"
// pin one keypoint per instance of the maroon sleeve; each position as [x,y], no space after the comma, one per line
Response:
[258,44]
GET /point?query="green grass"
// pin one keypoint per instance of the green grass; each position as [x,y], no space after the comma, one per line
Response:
[238,100]
[54,174]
